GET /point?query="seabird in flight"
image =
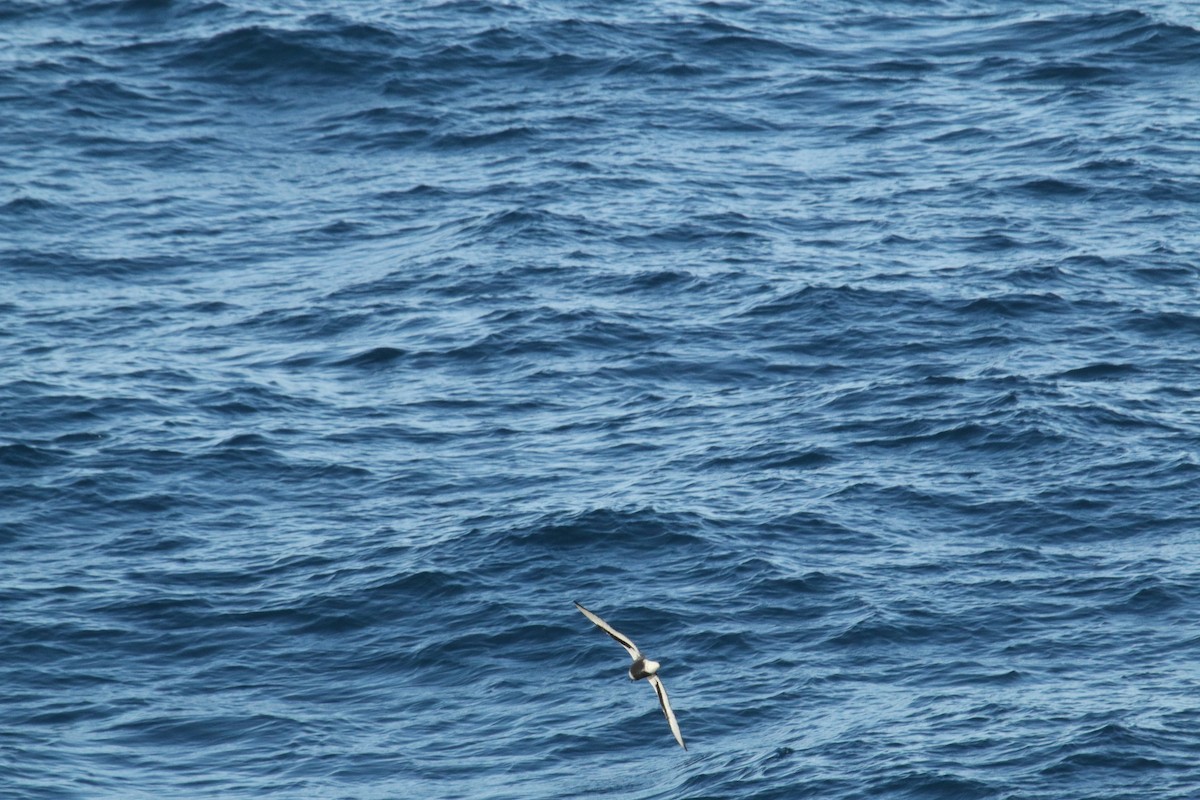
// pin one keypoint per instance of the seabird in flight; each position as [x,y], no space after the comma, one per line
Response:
[642,668]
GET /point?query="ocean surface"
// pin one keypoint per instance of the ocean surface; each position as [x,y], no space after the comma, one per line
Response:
[844,355]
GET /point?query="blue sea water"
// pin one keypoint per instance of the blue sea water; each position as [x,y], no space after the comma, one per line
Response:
[845,355]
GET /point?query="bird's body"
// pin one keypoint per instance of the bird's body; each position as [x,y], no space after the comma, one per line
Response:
[642,667]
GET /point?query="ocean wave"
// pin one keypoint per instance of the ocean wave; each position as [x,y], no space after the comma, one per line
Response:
[324,53]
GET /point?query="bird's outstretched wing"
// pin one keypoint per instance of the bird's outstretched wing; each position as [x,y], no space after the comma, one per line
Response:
[621,638]
[661,691]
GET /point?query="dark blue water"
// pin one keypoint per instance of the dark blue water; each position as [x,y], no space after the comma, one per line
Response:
[846,356]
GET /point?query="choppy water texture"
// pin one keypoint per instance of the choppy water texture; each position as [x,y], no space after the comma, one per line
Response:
[844,355]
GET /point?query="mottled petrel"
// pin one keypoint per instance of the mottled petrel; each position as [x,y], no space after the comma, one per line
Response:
[642,668]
